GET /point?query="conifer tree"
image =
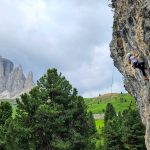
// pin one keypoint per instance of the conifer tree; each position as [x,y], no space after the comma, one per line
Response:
[112,135]
[124,132]
[51,117]
[91,123]
[5,114]
[109,113]
[133,130]
[112,129]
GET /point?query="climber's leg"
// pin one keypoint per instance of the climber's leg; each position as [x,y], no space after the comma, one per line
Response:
[141,66]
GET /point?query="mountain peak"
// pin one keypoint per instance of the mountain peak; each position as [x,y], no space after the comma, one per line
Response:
[12,80]
[29,81]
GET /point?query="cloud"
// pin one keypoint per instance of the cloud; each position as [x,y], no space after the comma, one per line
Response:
[117,88]
[98,76]
[72,36]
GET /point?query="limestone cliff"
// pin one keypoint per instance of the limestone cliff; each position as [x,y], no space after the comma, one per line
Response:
[12,80]
[131,33]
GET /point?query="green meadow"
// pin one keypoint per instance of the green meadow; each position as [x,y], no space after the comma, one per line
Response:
[99,124]
[119,101]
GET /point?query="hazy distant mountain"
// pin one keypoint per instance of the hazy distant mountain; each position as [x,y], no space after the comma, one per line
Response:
[12,80]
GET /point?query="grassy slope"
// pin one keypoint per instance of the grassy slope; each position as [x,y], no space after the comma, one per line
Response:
[120,102]
[98,104]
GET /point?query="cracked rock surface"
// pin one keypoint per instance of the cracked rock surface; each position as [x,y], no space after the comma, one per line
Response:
[12,80]
[131,33]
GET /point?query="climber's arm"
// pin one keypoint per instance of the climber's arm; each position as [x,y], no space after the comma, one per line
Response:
[137,55]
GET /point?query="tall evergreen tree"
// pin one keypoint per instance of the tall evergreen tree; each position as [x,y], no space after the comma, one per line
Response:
[113,135]
[112,129]
[110,113]
[124,132]
[5,114]
[91,123]
[51,117]
[133,131]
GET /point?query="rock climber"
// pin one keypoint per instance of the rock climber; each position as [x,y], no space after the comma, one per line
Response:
[137,64]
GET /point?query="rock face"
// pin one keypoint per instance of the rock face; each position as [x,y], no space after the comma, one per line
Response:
[13,81]
[131,33]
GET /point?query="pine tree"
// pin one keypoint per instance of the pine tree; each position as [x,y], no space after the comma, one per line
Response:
[91,123]
[133,131]
[92,131]
[5,114]
[52,116]
[112,136]
[112,129]
[124,132]
[109,113]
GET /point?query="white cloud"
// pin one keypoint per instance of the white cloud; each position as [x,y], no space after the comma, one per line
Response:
[33,12]
[115,88]
[72,36]
[96,76]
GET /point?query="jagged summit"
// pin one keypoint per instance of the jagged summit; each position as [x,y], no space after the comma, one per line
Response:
[131,33]
[29,80]
[12,80]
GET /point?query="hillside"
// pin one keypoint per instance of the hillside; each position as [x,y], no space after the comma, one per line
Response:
[120,101]
[98,105]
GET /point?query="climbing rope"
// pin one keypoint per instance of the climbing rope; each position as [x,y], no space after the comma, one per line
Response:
[112,81]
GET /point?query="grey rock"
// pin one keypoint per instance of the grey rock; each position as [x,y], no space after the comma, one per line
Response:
[2,84]
[1,67]
[6,67]
[29,81]
[13,81]
[18,80]
[131,33]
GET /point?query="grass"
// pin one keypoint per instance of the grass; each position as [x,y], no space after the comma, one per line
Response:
[99,124]
[100,138]
[120,102]
[14,112]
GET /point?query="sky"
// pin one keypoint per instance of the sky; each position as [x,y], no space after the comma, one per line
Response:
[70,35]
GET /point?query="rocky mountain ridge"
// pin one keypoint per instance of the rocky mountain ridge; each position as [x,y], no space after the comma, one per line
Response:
[131,34]
[12,80]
